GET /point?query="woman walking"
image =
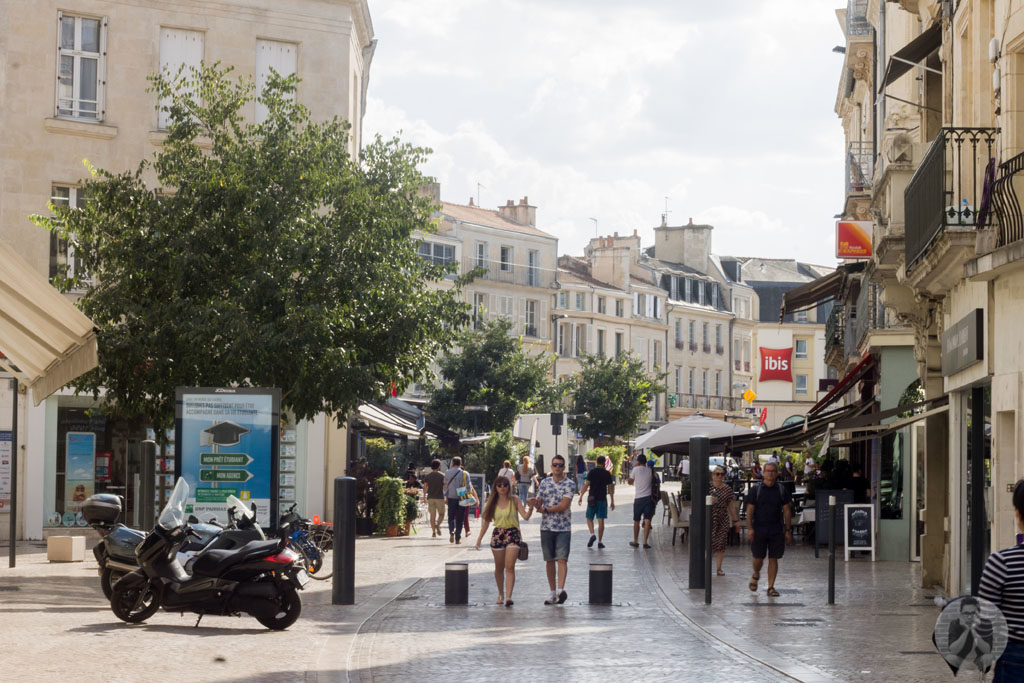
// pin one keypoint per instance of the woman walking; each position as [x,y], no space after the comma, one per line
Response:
[723,515]
[1002,582]
[507,472]
[526,477]
[504,510]
[581,472]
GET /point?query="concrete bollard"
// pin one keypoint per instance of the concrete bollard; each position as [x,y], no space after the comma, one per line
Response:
[600,584]
[456,583]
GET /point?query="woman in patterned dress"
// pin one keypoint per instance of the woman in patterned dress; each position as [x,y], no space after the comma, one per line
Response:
[504,510]
[723,515]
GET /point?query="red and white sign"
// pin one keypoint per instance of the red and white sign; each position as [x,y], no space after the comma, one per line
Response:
[776,364]
[764,415]
[853,239]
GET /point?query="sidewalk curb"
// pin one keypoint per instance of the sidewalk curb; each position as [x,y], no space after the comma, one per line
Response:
[713,627]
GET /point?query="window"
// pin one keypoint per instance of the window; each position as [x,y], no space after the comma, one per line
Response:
[657,307]
[81,45]
[480,255]
[692,379]
[618,343]
[687,289]
[580,301]
[705,334]
[718,382]
[656,360]
[531,318]
[693,333]
[673,288]
[563,299]
[62,251]
[438,254]
[704,382]
[801,384]
[679,331]
[532,268]
[800,316]
[479,307]
[561,341]
[718,336]
[178,48]
[581,340]
[700,292]
[800,349]
[600,304]
[714,295]
[506,259]
[600,343]
[679,380]
[282,58]
[618,307]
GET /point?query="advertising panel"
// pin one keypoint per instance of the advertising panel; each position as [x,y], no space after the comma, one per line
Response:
[853,239]
[80,469]
[227,443]
[776,364]
[5,470]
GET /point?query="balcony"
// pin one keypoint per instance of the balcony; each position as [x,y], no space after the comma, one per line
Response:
[860,167]
[707,347]
[707,402]
[746,366]
[680,345]
[1006,202]
[736,365]
[835,333]
[720,350]
[857,18]
[942,202]
[693,347]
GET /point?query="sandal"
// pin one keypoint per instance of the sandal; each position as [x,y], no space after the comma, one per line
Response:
[720,573]
[501,599]
[753,582]
[772,593]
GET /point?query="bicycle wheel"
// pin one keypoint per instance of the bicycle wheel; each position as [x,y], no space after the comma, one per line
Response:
[306,562]
[322,567]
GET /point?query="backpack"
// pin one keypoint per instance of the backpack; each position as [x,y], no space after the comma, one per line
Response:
[655,487]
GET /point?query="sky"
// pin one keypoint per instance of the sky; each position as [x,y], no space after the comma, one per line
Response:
[597,109]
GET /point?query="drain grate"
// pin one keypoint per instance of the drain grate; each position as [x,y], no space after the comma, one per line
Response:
[774,604]
[10,588]
[796,623]
[408,597]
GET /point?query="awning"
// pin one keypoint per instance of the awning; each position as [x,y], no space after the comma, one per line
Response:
[844,385]
[810,294]
[877,430]
[376,416]
[912,54]
[46,342]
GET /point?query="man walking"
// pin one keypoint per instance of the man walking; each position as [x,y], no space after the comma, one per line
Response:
[433,486]
[454,479]
[601,485]
[643,507]
[554,499]
[769,514]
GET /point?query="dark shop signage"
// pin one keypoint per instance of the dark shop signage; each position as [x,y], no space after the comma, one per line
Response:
[963,343]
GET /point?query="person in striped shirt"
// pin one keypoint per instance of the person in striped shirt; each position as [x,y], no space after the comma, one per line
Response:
[1002,583]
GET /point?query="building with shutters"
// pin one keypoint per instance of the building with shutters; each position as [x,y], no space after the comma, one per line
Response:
[73,80]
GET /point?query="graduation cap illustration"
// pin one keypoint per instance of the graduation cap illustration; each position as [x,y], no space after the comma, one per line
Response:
[225,433]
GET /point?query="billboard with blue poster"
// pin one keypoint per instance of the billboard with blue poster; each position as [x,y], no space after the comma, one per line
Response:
[226,443]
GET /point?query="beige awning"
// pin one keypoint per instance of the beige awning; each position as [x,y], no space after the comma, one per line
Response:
[46,342]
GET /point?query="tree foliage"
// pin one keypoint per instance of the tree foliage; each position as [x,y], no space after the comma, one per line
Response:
[490,368]
[611,396]
[256,254]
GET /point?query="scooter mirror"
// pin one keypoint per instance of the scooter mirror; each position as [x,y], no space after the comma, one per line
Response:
[192,519]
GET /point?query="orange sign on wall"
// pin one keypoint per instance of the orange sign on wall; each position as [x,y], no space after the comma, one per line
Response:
[853,239]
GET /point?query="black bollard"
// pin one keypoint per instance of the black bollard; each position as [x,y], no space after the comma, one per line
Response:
[831,550]
[343,587]
[700,449]
[707,553]
[600,584]
[456,583]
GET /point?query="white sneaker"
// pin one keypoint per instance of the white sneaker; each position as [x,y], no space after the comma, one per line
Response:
[552,599]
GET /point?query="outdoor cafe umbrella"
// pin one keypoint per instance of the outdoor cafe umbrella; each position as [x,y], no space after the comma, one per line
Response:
[675,436]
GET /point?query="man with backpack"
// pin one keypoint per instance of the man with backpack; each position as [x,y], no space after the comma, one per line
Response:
[456,487]
[643,477]
[769,515]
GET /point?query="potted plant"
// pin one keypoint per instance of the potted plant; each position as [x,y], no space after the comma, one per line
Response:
[390,512]
[412,511]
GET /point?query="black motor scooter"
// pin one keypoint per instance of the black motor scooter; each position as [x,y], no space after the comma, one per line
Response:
[115,551]
[261,578]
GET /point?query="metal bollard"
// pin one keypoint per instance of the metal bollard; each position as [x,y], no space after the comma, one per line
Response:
[456,583]
[343,583]
[708,502]
[600,584]
[831,550]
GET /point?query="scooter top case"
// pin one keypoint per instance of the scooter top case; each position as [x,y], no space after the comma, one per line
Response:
[102,509]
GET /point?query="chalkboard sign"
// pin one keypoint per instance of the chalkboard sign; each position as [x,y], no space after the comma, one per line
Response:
[859,529]
[821,514]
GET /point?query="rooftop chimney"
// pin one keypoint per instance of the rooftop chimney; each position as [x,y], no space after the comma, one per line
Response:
[522,213]
[471,201]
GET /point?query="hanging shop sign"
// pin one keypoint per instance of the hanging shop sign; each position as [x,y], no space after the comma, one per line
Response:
[853,239]
[227,442]
[963,343]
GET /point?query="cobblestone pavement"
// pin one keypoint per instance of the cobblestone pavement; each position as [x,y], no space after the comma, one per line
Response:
[55,623]
[880,627]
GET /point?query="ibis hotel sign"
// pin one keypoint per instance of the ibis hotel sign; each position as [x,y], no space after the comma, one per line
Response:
[776,364]
[963,343]
[227,443]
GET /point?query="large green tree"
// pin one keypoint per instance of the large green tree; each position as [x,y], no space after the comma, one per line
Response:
[490,368]
[611,396]
[256,254]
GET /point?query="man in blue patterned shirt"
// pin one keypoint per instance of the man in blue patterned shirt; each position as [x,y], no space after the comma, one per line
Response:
[554,498]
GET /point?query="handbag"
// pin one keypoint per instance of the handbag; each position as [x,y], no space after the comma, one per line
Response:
[524,551]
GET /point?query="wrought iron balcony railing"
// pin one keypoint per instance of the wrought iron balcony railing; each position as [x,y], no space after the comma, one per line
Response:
[947,190]
[1006,202]
[707,402]
[860,167]
[857,18]
[834,329]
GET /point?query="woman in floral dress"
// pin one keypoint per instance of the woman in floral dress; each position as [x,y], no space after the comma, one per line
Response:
[723,515]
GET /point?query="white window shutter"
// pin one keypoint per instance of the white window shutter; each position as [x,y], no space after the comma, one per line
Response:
[636,303]
[178,47]
[587,347]
[282,57]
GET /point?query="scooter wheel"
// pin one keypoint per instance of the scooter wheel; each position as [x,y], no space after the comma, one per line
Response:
[290,606]
[107,580]
[134,601]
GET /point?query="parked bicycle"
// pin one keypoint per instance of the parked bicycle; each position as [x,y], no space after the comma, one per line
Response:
[312,541]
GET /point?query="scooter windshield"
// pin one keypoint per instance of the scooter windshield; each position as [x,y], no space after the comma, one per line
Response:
[173,514]
[241,510]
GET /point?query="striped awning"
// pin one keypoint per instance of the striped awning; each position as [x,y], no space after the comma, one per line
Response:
[46,342]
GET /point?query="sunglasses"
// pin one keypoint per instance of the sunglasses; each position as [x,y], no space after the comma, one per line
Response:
[502,485]
[558,466]
[719,474]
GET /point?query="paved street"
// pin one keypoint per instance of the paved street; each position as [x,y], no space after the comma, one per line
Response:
[56,623]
